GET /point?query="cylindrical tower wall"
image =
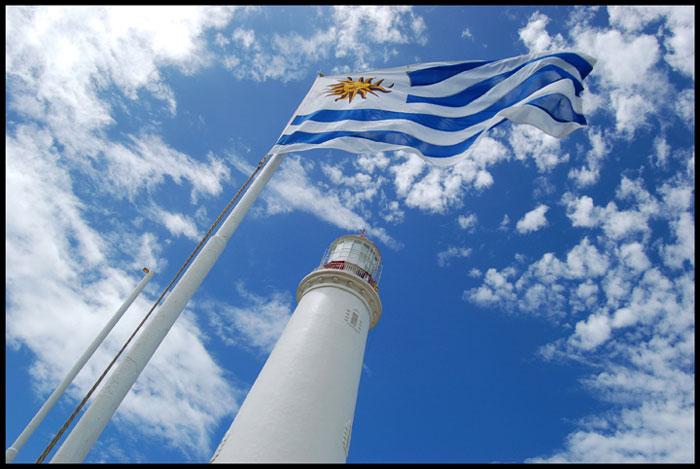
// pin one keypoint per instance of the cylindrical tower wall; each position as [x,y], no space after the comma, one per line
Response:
[301,406]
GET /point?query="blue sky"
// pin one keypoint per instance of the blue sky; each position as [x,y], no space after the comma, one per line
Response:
[538,296]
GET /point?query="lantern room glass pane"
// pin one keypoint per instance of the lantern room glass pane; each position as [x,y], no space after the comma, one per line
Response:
[355,252]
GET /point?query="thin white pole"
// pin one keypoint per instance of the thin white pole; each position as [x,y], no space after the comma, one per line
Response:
[11,452]
[107,400]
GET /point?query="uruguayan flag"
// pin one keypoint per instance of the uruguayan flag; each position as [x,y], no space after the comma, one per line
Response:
[439,110]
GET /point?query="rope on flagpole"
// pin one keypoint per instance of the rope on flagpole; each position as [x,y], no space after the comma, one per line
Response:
[226,209]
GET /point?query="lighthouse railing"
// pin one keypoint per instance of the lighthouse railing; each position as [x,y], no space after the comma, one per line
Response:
[348,267]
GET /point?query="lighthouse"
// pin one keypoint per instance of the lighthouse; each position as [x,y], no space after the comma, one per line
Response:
[301,406]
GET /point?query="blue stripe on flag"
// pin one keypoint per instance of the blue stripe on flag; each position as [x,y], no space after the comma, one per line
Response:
[558,107]
[428,120]
[391,137]
[560,110]
[539,79]
[432,75]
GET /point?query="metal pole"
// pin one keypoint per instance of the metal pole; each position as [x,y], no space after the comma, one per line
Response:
[107,400]
[11,452]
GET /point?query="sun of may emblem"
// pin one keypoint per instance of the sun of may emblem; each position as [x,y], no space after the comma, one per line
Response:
[350,88]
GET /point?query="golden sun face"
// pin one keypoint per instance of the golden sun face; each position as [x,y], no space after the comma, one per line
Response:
[350,88]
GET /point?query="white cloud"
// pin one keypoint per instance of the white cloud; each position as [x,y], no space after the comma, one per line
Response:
[680,50]
[257,324]
[585,261]
[543,187]
[496,289]
[628,317]
[683,250]
[467,222]
[287,57]
[654,432]
[466,34]
[585,296]
[631,112]
[681,45]
[392,213]
[292,190]
[246,37]
[661,151]
[533,220]
[633,256]
[633,19]
[379,24]
[368,163]
[628,70]
[620,224]
[581,211]
[622,61]
[144,162]
[435,189]
[149,254]
[31,162]
[652,386]
[592,332]
[542,287]
[177,224]
[677,195]
[406,172]
[535,36]
[444,257]
[616,223]
[503,226]
[357,189]
[685,107]
[221,40]
[545,150]
[357,35]
[474,273]
[61,58]
[589,174]
[61,61]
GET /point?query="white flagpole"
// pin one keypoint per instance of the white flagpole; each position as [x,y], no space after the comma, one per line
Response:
[108,398]
[11,452]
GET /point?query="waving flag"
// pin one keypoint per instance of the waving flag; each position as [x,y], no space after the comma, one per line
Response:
[439,110]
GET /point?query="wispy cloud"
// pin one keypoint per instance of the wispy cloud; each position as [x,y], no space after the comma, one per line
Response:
[177,223]
[357,36]
[256,324]
[291,189]
[467,222]
[444,257]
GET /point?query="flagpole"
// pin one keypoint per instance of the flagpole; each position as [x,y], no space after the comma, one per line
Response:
[11,452]
[108,398]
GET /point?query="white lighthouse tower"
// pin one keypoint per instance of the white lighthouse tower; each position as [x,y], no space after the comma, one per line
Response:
[301,406]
